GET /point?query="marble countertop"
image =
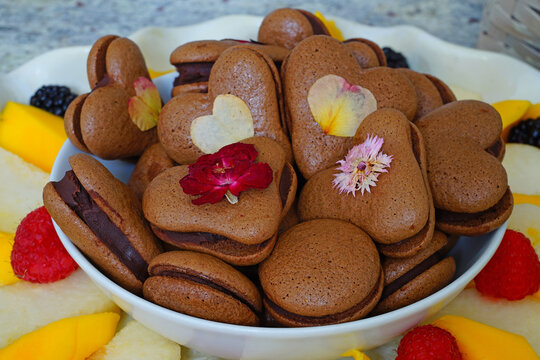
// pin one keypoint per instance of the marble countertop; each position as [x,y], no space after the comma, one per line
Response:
[31,27]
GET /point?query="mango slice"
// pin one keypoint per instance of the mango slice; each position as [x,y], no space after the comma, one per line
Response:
[355,354]
[67,339]
[32,133]
[532,112]
[511,112]
[7,277]
[157,73]
[334,31]
[477,341]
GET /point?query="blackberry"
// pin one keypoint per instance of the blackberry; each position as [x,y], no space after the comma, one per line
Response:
[53,98]
[526,132]
[395,59]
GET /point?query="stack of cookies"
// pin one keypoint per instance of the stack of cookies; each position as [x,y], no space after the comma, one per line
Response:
[295,180]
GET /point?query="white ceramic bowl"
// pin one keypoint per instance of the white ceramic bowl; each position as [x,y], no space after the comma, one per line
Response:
[243,342]
[494,76]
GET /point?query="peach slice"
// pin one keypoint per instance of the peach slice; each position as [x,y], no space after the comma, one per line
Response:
[70,339]
[477,341]
[230,122]
[339,107]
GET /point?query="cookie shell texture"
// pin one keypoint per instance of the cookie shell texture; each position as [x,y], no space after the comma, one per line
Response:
[286,27]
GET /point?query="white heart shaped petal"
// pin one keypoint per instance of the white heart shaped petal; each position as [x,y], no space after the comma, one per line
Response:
[230,122]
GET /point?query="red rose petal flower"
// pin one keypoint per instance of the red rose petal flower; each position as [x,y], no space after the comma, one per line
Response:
[232,168]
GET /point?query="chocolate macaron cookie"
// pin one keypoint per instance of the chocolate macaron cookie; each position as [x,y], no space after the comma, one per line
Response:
[468,182]
[103,218]
[409,280]
[99,122]
[397,212]
[430,92]
[312,59]
[242,233]
[287,27]
[152,162]
[367,53]
[241,71]
[201,285]
[321,272]
[194,61]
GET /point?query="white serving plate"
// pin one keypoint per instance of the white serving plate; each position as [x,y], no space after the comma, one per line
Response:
[495,77]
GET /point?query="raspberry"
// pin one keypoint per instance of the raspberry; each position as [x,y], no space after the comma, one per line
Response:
[428,343]
[38,255]
[513,272]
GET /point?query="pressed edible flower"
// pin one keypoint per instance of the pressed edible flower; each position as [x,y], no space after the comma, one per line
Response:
[145,106]
[228,172]
[339,107]
[230,122]
[362,166]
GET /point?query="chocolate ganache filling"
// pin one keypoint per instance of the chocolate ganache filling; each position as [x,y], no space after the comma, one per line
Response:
[478,218]
[79,200]
[199,279]
[193,72]
[414,272]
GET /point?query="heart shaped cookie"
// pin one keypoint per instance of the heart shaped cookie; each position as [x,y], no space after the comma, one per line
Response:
[311,60]
[398,211]
[468,182]
[99,122]
[243,72]
[243,233]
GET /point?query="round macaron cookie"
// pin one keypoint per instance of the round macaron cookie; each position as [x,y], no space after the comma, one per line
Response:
[367,53]
[411,279]
[391,88]
[104,219]
[287,27]
[203,286]
[321,272]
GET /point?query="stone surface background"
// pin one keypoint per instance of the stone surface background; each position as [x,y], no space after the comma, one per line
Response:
[31,27]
